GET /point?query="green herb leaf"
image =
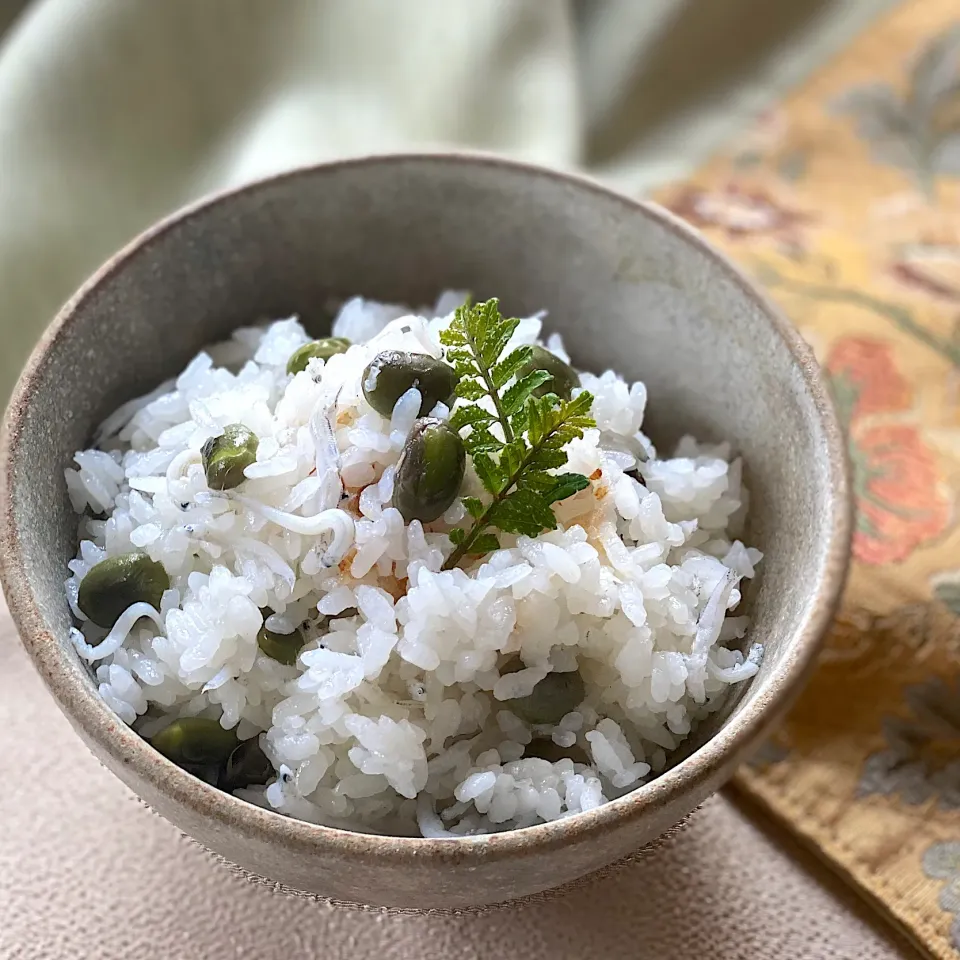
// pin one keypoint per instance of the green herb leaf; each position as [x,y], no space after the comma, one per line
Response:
[473,506]
[548,459]
[497,335]
[517,395]
[512,458]
[517,471]
[454,335]
[469,416]
[489,472]
[469,389]
[510,365]
[518,422]
[485,543]
[567,484]
[523,512]
[463,360]
[482,441]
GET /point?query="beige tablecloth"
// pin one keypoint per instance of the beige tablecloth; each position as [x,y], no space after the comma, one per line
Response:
[87,871]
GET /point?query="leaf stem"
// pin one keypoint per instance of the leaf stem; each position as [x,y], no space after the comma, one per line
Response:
[492,390]
[515,470]
[483,521]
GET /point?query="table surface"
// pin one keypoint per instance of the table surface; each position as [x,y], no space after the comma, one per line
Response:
[86,871]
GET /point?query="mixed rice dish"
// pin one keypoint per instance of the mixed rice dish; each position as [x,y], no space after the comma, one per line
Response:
[420,577]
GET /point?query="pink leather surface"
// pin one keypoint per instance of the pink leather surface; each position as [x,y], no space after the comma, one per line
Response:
[88,873]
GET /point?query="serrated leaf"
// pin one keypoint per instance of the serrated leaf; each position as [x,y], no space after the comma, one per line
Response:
[485,543]
[459,353]
[498,336]
[510,365]
[481,440]
[470,416]
[541,417]
[475,319]
[579,406]
[556,439]
[517,474]
[518,422]
[512,458]
[535,425]
[452,336]
[489,473]
[469,389]
[566,485]
[523,512]
[473,506]
[457,536]
[516,396]
[538,482]
[560,436]
[547,459]
[462,359]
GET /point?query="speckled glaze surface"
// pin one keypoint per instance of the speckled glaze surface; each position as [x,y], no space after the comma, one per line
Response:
[626,284]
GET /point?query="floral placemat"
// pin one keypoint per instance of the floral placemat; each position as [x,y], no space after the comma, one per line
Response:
[845,203]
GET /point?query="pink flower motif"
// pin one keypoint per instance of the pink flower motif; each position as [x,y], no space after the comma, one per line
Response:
[932,269]
[896,481]
[865,378]
[739,212]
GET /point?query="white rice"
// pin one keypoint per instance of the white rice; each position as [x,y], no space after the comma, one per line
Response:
[397,719]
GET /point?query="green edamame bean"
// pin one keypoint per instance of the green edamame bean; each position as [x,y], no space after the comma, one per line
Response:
[282,647]
[546,749]
[322,349]
[563,378]
[393,372]
[207,772]
[227,456]
[246,766]
[551,699]
[195,742]
[429,472]
[117,582]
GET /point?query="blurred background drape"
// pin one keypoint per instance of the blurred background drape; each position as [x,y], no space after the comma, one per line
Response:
[115,112]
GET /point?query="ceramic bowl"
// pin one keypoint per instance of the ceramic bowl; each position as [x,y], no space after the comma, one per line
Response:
[628,286]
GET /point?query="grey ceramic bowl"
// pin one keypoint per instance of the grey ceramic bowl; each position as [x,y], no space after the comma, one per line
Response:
[628,286]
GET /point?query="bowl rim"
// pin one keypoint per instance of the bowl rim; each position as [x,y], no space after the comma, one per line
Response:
[88,712]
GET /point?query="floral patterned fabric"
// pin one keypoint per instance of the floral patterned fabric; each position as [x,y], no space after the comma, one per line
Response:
[845,204]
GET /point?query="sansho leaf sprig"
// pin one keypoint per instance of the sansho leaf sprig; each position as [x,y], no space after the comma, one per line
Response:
[515,441]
